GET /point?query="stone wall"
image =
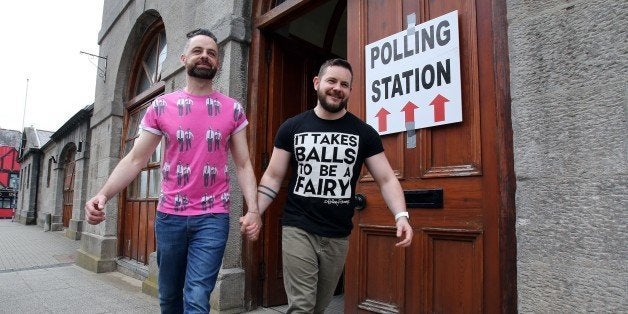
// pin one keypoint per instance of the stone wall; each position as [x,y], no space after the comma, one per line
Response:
[569,70]
[26,211]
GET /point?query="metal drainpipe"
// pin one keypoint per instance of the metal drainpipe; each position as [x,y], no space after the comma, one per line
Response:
[36,180]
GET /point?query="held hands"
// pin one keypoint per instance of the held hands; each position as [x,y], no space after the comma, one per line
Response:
[94,213]
[251,224]
[403,227]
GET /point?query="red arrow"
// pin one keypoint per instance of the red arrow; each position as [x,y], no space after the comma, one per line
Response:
[409,109]
[382,114]
[439,107]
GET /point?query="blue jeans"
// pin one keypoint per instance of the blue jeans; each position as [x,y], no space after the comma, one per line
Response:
[189,254]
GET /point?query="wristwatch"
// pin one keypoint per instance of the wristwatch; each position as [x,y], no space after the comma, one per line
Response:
[402,214]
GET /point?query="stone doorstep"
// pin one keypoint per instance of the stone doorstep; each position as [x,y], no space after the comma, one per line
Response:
[132,268]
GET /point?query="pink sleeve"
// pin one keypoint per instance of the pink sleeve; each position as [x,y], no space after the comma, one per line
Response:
[149,121]
[240,118]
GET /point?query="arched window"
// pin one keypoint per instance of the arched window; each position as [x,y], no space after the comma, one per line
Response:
[148,67]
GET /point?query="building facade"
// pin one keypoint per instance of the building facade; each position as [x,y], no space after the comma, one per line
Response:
[31,159]
[529,189]
[55,166]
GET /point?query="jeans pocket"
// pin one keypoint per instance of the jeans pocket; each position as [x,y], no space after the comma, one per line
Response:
[161,216]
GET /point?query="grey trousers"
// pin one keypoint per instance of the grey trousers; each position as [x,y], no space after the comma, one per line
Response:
[312,266]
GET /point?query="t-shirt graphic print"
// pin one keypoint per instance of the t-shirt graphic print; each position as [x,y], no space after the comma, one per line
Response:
[325,163]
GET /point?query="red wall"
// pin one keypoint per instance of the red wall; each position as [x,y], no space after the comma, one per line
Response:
[8,163]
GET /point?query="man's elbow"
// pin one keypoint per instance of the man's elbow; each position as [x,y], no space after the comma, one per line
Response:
[136,162]
[272,176]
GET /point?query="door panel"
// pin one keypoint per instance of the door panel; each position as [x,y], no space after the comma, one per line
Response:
[443,270]
[453,285]
[455,150]
[291,92]
[138,233]
[382,290]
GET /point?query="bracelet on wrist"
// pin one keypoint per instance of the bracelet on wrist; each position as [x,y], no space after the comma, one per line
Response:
[402,214]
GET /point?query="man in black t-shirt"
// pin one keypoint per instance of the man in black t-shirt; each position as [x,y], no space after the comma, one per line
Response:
[326,147]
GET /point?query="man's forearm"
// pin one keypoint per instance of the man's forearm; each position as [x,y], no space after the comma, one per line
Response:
[393,196]
[267,191]
[124,173]
[247,182]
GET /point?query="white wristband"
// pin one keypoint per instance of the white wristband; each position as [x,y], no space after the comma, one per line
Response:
[402,214]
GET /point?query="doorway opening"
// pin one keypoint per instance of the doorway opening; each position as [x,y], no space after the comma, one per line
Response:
[295,38]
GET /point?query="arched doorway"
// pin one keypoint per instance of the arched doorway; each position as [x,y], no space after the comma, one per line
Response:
[295,38]
[136,236]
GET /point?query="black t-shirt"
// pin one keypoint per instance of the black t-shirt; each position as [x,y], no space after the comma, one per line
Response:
[327,156]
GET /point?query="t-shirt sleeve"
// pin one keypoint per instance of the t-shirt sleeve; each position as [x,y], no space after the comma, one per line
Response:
[149,121]
[239,117]
[284,137]
[373,142]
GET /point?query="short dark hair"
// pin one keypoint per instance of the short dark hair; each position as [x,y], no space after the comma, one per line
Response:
[335,62]
[202,31]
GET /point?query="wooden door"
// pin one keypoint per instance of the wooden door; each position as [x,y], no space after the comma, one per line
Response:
[291,91]
[137,233]
[68,187]
[462,256]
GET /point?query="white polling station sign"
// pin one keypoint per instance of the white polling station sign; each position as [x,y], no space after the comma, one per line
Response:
[413,77]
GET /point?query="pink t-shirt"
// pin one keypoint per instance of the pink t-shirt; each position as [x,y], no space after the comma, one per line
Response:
[195,176]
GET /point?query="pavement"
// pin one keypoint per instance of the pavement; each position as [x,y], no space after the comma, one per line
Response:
[38,275]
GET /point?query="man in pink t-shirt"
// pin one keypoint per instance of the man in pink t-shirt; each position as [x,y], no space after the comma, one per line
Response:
[200,126]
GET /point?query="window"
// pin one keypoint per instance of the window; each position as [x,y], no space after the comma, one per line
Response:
[6,202]
[145,76]
[28,176]
[148,69]
[146,185]
[14,181]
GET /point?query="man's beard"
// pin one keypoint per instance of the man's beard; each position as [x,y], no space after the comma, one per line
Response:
[329,107]
[202,73]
